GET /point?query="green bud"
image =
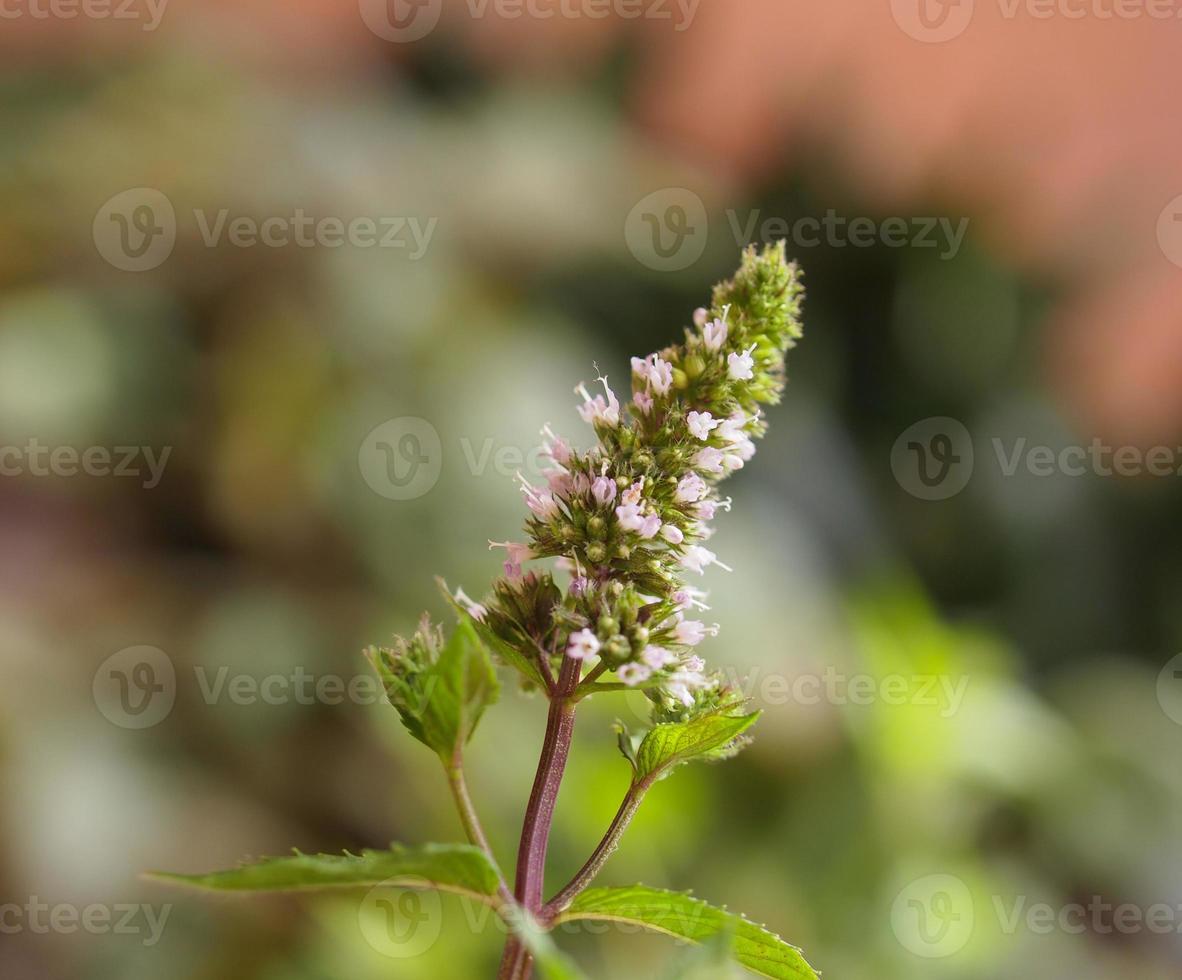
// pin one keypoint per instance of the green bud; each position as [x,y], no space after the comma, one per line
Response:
[596,526]
[640,635]
[617,650]
[607,626]
[624,552]
[596,552]
[694,366]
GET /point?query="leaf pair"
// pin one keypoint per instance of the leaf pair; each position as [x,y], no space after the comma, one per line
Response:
[465,870]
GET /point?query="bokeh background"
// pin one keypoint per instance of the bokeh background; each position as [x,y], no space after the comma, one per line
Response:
[892,834]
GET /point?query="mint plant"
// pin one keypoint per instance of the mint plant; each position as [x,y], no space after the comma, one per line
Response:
[624,525]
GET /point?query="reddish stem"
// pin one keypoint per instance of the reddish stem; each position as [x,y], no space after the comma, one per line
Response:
[539,814]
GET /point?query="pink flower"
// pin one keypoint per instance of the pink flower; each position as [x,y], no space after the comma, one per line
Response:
[654,370]
[741,367]
[555,447]
[474,609]
[706,509]
[517,553]
[643,401]
[657,657]
[649,528]
[582,645]
[632,494]
[701,315]
[672,534]
[540,502]
[709,460]
[714,335]
[681,685]
[630,517]
[690,488]
[603,489]
[597,409]
[687,597]
[701,424]
[691,632]
[633,674]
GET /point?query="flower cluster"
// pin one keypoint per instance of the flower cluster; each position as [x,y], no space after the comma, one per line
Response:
[628,519]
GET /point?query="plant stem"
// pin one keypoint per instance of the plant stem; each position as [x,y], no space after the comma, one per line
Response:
[595,863]
[471,821]
[516,963]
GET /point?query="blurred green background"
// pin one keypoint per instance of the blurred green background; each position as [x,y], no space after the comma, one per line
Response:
[898,832]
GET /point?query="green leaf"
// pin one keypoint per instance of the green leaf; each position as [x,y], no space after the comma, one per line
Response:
[685,917]
[708,737]
[441,703]
[457,868]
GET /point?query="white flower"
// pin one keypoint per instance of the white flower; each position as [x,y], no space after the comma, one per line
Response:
[681,685]
[643,401]
[687,597]
[690,488]
[633,674]
[714,335]
[701,315]
[709,460]
[741,367]
[657,657]
[701,424]
[632,494]
[582,645]
[698,559]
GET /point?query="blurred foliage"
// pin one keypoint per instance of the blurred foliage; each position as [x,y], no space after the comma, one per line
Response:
[263,551]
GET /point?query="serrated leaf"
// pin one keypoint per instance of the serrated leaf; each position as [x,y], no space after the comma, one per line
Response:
[684,917]
[709,737]
[627,744]
[458,868]
[442,704]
